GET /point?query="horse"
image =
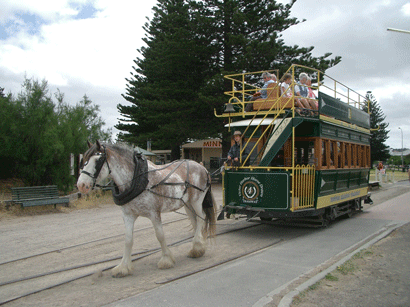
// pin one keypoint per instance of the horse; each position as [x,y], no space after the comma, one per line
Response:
[142,188]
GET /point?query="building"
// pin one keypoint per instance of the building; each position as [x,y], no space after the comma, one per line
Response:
[207,151]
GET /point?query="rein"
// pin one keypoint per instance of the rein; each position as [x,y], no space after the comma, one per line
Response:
[140,180]
[98,166]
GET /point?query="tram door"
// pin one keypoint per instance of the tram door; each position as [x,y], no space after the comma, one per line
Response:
[304,181]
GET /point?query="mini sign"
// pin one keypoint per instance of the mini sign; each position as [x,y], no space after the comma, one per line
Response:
[213,144]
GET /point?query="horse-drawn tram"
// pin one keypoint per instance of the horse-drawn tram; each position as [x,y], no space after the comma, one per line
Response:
[302,159]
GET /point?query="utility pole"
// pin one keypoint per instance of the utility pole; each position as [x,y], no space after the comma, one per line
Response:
[402,161]
[398,30]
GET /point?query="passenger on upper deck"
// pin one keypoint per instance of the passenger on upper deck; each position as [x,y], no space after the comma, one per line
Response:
[301,90]
[235,151]
[285,91]
[267,79]
[311,94]
[262,94]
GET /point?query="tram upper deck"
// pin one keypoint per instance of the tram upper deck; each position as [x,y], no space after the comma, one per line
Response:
[336,102]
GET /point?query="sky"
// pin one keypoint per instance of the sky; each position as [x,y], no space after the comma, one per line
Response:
[87,47]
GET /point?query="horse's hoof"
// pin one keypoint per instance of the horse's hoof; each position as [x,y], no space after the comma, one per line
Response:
[119,272]
[196,253]
[166,262]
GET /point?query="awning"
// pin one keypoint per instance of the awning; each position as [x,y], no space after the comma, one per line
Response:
[255,122]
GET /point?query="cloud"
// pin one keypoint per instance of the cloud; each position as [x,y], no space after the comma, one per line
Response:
[405,9]
[88,47]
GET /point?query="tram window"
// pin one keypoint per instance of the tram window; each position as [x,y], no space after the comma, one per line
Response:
[279,159]
[347,152]
[351,155]
[359,156]
[311,154]
[339,154]
[332,154]
[368,155]
[324,153]
[363,156]
[254,154]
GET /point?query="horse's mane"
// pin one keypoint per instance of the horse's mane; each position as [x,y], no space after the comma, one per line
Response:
[121,149]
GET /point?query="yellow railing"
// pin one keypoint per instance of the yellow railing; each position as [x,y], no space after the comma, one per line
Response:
[303,187]
[242,88]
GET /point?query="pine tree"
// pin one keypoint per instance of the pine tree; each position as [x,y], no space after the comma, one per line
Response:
[178,82]
[379,132]
[164,87]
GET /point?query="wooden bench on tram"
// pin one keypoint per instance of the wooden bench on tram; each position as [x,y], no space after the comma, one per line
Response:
[273,92]
[38,196]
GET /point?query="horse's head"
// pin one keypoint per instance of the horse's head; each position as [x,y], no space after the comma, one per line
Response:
[94,167]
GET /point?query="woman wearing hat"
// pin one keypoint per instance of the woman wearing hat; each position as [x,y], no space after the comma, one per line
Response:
[235,151]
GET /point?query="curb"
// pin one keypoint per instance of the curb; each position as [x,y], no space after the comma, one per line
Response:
[288,298]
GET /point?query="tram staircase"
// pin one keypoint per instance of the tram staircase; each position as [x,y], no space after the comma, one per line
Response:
[277,139]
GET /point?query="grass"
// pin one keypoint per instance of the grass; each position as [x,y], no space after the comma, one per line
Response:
[346,268]
[94,200]
[398,175]
[331,277]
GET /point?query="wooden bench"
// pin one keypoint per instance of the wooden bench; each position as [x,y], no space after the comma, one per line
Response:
[37,196]
[374,185]
[273,91]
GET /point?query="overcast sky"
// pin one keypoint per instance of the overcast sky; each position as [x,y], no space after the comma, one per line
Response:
[88,47]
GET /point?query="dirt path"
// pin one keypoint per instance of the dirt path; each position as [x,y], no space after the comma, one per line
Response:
[378,276]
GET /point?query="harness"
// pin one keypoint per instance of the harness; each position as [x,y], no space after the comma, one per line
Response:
[98,166]
[140,180]
[137,186]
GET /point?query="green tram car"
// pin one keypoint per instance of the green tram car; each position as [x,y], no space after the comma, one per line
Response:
[303,166]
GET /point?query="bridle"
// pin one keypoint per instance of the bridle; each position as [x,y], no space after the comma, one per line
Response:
[98,167]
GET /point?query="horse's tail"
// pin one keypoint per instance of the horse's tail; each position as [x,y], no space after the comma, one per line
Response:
[209,207]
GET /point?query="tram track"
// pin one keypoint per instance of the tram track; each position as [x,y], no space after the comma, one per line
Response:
[82,244]
[89,268]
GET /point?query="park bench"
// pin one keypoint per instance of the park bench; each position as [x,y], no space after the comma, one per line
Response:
[374,185]
[37,196]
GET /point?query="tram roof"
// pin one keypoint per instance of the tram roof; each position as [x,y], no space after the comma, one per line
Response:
[256,121]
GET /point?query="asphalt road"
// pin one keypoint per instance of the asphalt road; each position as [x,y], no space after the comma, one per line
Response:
[254,280]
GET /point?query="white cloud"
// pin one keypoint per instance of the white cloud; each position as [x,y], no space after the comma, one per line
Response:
[45,9]
[405,9]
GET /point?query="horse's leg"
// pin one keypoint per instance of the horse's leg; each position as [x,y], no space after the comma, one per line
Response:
[192,216]
[167,260]
[125,267]
[198,243]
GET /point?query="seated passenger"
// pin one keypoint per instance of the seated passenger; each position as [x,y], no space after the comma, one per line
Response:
[263,93]
[301,90]
[285,91]
[313,99]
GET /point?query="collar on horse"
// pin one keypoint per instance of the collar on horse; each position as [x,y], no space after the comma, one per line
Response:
[138,183]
